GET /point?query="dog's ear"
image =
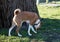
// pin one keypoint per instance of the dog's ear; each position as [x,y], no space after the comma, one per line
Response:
[17,11]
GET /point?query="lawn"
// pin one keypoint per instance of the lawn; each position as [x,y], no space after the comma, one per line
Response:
[49,31]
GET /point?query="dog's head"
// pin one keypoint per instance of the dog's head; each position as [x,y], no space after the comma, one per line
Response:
[17,11]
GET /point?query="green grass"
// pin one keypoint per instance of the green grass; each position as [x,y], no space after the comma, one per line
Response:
[49,31]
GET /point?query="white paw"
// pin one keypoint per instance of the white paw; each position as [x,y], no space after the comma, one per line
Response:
[30,34]
[35,32]
[9,35]
[19,35]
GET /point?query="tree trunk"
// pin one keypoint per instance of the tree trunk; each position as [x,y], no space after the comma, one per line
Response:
[7,8]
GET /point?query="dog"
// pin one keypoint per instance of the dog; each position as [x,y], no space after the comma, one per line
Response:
[31,18]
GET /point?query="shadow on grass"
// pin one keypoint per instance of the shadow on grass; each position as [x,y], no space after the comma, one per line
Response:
[49,31]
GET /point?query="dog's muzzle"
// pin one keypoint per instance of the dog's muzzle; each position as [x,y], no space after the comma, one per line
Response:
[37,24]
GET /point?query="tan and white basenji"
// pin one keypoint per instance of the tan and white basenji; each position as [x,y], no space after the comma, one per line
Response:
[25,16]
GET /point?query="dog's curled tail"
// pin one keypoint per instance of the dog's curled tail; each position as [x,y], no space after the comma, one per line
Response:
[17,11]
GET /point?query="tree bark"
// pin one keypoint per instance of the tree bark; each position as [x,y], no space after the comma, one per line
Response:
[7,8]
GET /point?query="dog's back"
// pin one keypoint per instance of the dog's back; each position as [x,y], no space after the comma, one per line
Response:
[25,15]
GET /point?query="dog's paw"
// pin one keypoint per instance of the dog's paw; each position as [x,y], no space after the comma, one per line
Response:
[19,35]
[35,32]
[9,34]
[30,34]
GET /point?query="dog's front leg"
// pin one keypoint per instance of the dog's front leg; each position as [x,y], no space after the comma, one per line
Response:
[31,27]
[29,31]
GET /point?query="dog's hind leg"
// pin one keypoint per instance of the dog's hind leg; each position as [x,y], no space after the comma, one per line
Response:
[19,34]
[10,29]
[17,30]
